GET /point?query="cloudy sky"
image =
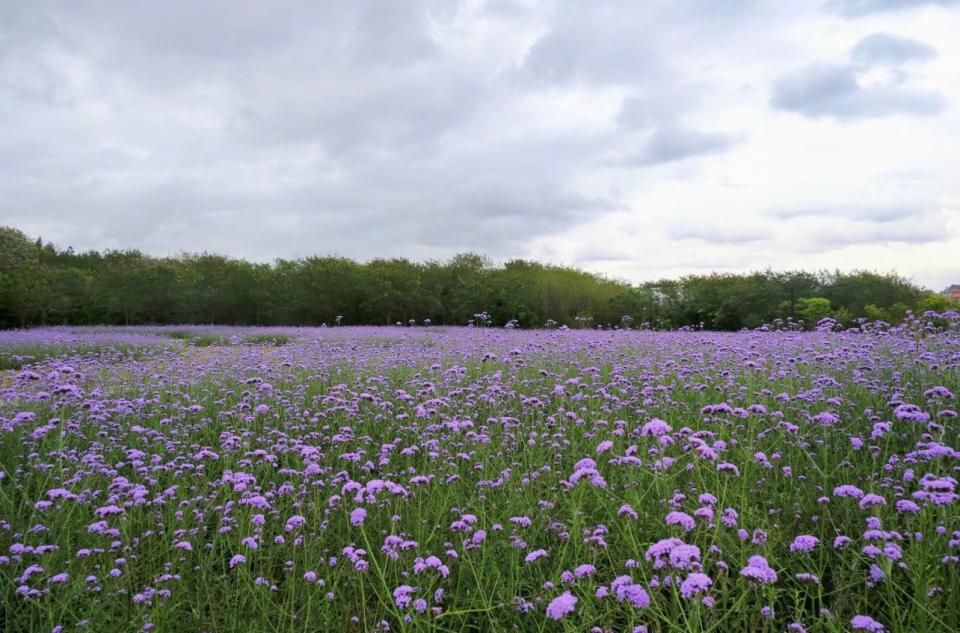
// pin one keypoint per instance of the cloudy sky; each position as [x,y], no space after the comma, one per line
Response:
[641,140]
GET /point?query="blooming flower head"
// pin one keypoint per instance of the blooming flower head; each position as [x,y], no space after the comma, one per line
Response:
[866,623]
[727,467]
[357,516]
[694,584]
[685,556]
[637,596]
[682,519]
[662,548]
[655,427]
[848,490]
[627,511]
[872,499]
[561,605]
[804,543]
[534,555]
[759,570]
[906,506]
[841,541]
[402,597]
[294,522]
[625,589]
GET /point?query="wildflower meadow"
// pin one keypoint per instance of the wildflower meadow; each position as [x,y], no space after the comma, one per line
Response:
[454,479]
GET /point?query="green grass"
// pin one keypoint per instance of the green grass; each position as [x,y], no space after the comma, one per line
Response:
[200,339]
[277,340]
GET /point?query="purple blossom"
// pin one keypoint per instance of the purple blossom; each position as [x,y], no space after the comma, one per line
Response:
[535,555]
[847,490]
[804,543]
[682,519]
[866,623]
[296,521]
[561,606]
[628,511]
[759,570]
[656,427]
[402,596]
[871,499]
[685,556]
[625,589]
[693,584]
[357,516]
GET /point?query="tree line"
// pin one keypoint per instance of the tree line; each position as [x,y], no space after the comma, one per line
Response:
[41,284]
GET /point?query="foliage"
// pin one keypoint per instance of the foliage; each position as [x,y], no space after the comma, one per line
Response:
[812,309]
[41,285]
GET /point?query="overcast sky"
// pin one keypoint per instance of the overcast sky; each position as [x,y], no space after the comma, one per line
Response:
[642,139]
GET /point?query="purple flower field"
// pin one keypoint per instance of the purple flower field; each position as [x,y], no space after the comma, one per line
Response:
[481,479]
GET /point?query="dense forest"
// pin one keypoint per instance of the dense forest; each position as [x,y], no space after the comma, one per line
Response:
[43,285]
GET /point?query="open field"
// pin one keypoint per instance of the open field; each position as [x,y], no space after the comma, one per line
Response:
[473,479]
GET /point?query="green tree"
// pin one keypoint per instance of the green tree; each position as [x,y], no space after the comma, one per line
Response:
[937,303]
[813,309]
[21,282]
[40,284]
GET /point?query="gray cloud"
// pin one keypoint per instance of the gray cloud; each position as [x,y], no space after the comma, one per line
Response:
[827,238]
[860,212]
[596,43]
[656,113]
[356,127]
[406,107]
[717,233]
[668,144]
[504,215]
[603,43]
[822,228]
[655,107]
[251,132]
[859,8]
[886,48]
[603,253]
[833,90]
